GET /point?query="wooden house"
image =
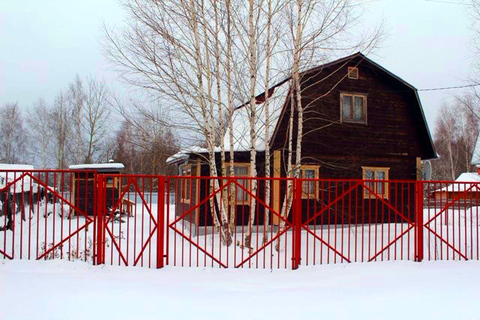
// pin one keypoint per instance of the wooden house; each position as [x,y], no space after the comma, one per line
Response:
[361,122]
[83,185]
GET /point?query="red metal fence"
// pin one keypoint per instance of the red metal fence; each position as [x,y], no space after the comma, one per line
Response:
[151,221]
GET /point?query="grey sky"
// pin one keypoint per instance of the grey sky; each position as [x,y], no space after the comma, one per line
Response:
[43,44]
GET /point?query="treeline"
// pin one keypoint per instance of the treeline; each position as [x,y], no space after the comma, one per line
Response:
[83,125]
[456,133]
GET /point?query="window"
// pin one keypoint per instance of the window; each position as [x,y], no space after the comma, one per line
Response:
[377,188]
[353,108]
[310,191]
[186,184]
[352,73]
[241,170]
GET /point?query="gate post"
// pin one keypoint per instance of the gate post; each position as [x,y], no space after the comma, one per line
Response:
[100,220]
[297,223]
[160,221]
[419,221]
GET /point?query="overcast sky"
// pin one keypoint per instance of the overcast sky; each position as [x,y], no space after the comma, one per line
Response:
[45,43]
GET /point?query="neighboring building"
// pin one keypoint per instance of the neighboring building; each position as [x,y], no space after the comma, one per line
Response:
[466,187]
[17,191]
[362,122]
[83,186]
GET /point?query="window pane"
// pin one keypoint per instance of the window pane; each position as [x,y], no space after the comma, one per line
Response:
[369,174]
[241,194]
[347,107]
[309,174]
[241,171]
[358,108]
[380,188]
[380,185]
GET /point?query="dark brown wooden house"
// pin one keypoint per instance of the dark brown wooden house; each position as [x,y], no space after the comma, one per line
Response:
[360,122]
[83,185]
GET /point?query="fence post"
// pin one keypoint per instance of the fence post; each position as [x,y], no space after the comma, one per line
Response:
[419,221]
[297,223]
[160,221]
[100,220]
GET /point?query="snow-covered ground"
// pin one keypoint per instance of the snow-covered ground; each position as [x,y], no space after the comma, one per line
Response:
[384,290]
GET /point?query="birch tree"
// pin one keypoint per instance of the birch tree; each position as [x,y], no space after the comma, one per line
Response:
[168,49]
[317,30]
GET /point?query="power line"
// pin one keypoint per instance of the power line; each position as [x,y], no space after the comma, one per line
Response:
[448,88]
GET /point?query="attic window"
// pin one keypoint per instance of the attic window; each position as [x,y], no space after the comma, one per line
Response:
[353,108]
[352,73]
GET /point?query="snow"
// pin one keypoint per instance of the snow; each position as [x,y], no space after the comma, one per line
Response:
[183,154]
[23,183]
[400,290]
[463,182]
[5,166]
[94,166]
[241,126]
[61,289]
[241,122]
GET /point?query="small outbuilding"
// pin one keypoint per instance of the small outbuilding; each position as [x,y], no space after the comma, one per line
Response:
[83,185]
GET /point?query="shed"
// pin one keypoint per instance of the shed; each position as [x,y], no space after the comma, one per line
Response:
[83,184]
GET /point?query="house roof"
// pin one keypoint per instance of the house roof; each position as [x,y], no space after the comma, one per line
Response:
[241,122]
[103,167]
[23,184]
[463,182]
[185,154]
[432,154]
[277,106]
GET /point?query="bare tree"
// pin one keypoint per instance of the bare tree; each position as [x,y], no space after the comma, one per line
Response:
[456,133]
[190,54]
[169,50]
[40,144]
[318,29]
[12,134]
[94,120]
[60,127]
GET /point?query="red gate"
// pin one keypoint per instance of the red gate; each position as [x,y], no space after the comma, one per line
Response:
[40,218]
[211,225]
[130,220]
[451,220]
[357,220]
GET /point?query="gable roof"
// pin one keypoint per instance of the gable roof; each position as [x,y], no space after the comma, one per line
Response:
[432,154]
[241,127]
[278,103]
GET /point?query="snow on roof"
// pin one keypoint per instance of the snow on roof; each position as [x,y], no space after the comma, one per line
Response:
[241,125]
[24,182]
[93,166]
[241,122]
[463,182]
[184,153]
[5,166]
